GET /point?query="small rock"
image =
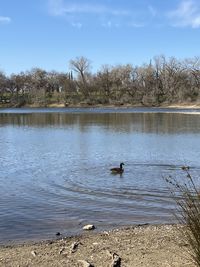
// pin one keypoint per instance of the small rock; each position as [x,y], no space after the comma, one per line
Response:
[89,227]
[85,263]
[74,247]
[105,233]
[58,233]
[61,250]
[116,260]
[33,253]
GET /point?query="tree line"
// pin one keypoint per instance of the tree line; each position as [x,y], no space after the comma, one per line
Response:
[161,81]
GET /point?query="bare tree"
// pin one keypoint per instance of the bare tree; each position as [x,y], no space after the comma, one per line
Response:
[81,65]
[103,80]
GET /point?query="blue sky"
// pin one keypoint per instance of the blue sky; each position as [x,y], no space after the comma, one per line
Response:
[48,33]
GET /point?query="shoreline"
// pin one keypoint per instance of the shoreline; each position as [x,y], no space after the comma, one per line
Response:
[126,106]
[141,246]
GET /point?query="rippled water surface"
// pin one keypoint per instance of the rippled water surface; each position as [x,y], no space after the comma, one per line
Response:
[54,168]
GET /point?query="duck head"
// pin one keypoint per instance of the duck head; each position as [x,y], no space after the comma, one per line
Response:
[121,165]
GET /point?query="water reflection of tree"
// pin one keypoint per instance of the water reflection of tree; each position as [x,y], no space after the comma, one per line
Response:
[119,122]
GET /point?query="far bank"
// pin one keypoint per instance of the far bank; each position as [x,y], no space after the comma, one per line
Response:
[184,105]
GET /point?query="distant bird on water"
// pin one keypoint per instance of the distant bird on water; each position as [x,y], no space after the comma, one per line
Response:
[117,170]
[185,168]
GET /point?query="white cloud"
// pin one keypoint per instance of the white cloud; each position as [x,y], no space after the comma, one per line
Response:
[187,14]
[59,7]
[110,24]
[77,25]
[4,19]
[107,24]
[82,11]
[152,11]
[102,14]
[137,25]
[56,7]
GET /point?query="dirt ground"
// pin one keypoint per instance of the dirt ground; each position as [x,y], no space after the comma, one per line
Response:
[141,246]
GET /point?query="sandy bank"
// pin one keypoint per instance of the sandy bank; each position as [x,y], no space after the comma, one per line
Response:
[186,105]
[172,106]
[182,106]
[153,246]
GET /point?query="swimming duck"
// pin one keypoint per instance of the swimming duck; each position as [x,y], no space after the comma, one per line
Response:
[118,170]
[185,168]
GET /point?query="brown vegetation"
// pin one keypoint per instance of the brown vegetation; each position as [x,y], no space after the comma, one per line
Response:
[162,81]
[187,196]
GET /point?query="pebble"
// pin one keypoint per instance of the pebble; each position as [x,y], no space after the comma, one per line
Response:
[33,253]
[74,247]
[89,227]
[85,263]
[116,261]
[61,250]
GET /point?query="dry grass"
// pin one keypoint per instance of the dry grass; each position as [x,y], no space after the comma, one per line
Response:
[186,193]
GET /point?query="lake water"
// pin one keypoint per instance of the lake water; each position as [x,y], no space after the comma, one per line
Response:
[54,168]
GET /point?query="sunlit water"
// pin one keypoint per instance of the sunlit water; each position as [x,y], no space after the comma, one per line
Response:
[54,168]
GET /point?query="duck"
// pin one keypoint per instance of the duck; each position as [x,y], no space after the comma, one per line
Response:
[185,168]
[119,170]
